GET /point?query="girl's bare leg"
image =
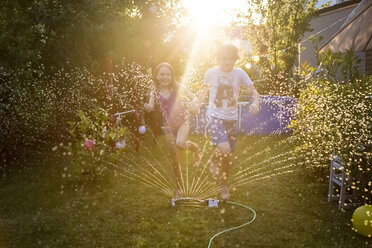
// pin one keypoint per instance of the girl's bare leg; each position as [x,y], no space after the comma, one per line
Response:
[183,143]
[171,140]
[176,143]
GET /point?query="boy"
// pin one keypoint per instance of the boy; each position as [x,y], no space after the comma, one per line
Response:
[223,83]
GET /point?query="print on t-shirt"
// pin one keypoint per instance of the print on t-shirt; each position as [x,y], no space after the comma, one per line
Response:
[225,92]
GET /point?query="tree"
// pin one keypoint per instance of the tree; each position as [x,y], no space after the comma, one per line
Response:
[282,24]
[60,33]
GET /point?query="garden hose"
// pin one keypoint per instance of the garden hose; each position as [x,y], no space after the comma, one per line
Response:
[236,227]
[214,203]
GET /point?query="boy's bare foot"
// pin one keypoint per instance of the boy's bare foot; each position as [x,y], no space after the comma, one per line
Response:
[215,171]
[225,193]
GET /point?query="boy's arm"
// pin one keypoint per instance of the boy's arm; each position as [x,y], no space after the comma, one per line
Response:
[150,105]
[199,98]
[254,108]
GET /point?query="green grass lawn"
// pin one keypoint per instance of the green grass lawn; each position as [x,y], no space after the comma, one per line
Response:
[42,206]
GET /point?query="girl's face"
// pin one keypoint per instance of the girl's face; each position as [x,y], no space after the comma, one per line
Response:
[164,76]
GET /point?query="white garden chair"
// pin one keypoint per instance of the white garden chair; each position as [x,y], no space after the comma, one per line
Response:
[339,180]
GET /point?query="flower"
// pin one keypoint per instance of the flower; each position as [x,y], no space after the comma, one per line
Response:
[89,144]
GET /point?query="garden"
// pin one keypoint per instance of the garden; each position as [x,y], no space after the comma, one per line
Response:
[84,165]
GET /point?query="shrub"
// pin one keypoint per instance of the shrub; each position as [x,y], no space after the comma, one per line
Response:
[341,66]
[28,111]
[336,118]
[94,143]
[35,107]
[280,84]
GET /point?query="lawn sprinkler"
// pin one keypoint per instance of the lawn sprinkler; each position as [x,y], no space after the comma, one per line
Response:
[211,203]
[189,201]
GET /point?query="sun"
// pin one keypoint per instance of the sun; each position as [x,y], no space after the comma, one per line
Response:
[211,19]
[209,13]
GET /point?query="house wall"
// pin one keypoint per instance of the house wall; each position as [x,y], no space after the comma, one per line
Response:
[323,22]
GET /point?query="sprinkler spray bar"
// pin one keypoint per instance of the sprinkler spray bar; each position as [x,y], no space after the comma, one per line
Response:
[211,202]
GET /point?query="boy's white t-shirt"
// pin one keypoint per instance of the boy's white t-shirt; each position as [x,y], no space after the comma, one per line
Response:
[224,92]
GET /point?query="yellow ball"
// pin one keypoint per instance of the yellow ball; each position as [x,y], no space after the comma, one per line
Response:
[362,220]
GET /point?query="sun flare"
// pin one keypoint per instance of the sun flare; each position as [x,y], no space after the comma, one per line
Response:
[211,19]
[207,13]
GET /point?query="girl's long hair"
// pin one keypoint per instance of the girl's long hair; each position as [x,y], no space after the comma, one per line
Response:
[173,85]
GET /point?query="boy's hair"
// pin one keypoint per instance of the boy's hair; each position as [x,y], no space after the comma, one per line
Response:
[172,84]
[227,49]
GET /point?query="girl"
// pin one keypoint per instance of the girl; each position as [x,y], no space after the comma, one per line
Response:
[175,120]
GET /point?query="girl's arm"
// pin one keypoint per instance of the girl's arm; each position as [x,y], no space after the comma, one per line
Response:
[150,105]
[254,108]
[198,99]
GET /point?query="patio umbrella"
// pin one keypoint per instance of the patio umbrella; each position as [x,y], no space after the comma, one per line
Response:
[355,33]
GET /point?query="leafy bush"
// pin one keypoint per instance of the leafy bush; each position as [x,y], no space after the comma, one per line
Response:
[36,107]
[280,84]
[336,118]
[341,66]
[94,142]
[28,113]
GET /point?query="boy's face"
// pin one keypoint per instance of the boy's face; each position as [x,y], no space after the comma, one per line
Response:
[226,62]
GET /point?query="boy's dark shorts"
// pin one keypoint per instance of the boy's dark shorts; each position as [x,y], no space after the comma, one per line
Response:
[222,131]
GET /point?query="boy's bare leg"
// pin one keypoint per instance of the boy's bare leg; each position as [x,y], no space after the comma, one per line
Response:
[225,157]
[226,165]
[215,163]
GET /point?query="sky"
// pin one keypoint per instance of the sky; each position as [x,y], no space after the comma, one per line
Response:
[333,2]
